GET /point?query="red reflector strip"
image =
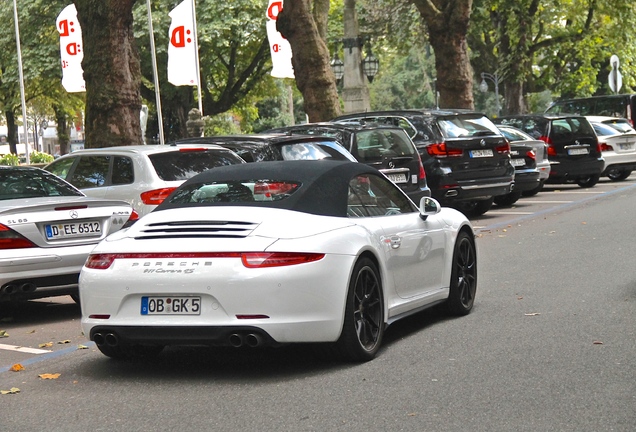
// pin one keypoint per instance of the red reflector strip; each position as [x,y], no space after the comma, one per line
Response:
[249,259]
[192,149]
[99,316]
[257,316]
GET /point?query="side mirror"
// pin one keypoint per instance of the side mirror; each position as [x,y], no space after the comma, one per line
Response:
[429,207]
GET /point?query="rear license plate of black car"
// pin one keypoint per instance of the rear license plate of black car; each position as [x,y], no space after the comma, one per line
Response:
[397,178]
[517,162]
[170,305]
[579,151]
[481,153]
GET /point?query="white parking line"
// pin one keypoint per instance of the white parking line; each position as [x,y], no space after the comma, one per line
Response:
[564,191]
[509,212]
[23,349]
[549,202]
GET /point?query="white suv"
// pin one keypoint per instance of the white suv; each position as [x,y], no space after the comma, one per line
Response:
[142,175]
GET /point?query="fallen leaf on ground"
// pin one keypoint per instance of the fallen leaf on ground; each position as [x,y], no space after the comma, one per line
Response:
[17,367]
[13,390]
[82,347]
[31,332]
[46,345]
[3,333]
[583,223]
[533,314]
[597,343]
[64,342]
[50,376]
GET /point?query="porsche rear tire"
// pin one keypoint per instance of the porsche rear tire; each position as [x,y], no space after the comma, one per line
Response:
[463,284]
[363,326]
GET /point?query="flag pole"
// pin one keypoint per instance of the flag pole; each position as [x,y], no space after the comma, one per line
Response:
[196,55]
[24,113]
[155,75]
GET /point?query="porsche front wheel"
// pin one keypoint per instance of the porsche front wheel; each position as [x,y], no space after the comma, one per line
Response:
[463,284]
[363,326]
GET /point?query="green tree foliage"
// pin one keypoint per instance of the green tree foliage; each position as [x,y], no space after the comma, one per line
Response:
[40,48]
[562,46]
[234,58]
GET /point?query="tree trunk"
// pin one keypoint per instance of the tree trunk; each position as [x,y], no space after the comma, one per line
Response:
[63,132]
[310,58]
[111,72]
[447,22]
[321,16]
[12,136]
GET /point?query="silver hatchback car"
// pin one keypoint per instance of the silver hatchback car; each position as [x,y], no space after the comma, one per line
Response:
[142,175]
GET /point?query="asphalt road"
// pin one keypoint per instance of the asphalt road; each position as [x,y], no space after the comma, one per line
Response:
[550,346]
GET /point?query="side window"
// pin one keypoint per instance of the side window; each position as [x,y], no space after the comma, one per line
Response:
[61,167]
[91,171]
[371,195]
[123,170]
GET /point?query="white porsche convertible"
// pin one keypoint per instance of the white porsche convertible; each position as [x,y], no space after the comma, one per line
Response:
[272,253]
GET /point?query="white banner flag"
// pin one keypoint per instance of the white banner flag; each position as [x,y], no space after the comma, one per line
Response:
[71,50]
[182,61]
[278,46]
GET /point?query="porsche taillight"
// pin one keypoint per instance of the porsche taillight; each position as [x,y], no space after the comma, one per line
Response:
[278,259]
[156,196]
[249,259]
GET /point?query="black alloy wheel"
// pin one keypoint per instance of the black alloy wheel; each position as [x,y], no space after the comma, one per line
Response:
[363,326]
[615,174]
[463,286]
[588,182]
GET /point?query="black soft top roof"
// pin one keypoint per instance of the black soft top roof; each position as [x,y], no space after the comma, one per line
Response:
[324,186]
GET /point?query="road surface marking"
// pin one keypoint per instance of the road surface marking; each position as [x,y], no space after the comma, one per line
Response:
[509,212]
[23,349]
[549,202]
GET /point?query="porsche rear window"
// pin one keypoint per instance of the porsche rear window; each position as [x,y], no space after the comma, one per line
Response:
[240,191]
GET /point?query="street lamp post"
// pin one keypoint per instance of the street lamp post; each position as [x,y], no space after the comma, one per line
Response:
[483,86]
[355,91]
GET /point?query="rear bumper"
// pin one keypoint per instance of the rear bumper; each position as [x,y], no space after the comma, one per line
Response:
[567,170]
[469,191]
[527,180]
